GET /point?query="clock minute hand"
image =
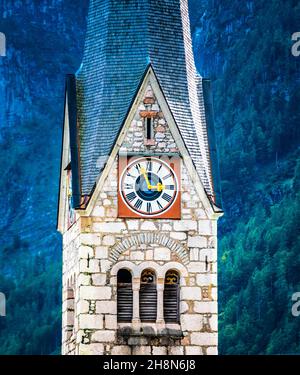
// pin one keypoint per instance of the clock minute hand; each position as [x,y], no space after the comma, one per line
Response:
[144,173]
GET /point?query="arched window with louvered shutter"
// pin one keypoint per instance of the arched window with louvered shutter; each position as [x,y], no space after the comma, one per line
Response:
[148,296]
[70,309]
[172,297]
[124,296]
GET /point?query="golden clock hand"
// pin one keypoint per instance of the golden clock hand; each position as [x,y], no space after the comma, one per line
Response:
[160,187]
[144,173]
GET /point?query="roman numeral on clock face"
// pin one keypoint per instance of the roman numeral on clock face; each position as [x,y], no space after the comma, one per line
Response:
[138,167]
[149,208]
[128,186]
[131,196]
[167,176]
[159,205]
[166,197]
[149,166]
[138,204]
[170,187]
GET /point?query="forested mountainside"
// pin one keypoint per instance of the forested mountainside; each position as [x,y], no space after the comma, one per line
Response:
[45,41]
[245,48]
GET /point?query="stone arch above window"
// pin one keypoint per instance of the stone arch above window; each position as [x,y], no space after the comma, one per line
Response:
[148,239]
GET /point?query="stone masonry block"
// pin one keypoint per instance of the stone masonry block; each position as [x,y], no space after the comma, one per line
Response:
[121,350]
[95,292]
[203,279]
[98,211]
[209,254]
[106,307]
[88,321]
[83,279]
[162,253]
[137,255]
[191,322]
[197,241]
[111,322]
[104,265]
[185,225]
[193,350]
[82,307]
[90,239]
[204,339]
[206,307]
[99,279]
[104,336]
[184,307]
[86,252]
[91,349]
[190,293]
[89,266]
[159,350]
[101,252]
[112,227]
[109,240]
[205,227]
[148,225]
[196,267]
[133,224]
[194,254]
[178,235]
[176,350]
[213,322]
[212,350]
[141,350]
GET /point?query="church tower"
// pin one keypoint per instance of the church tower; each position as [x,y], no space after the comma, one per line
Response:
[139,198]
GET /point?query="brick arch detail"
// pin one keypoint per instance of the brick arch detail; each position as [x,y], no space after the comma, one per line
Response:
[148,239]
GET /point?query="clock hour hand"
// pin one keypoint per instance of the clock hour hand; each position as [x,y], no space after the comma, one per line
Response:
[159,187]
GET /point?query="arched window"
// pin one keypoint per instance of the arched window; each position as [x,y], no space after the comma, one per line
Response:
[70,313]
[148,297]
[124,296]
[171,297]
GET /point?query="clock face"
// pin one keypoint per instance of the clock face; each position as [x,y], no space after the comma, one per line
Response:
[148,186]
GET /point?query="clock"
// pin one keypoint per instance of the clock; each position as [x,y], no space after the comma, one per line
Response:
[148,187]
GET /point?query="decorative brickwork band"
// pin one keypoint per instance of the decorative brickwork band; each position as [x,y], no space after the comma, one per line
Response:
[148,239]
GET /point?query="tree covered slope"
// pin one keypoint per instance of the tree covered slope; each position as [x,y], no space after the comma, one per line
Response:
[245,47]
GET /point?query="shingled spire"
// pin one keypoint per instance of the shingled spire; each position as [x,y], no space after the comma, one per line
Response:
[125,37]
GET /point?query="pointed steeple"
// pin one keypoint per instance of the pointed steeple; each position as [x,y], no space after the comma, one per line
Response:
[123,38]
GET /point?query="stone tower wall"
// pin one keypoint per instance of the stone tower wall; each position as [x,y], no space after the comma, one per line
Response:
[97,246]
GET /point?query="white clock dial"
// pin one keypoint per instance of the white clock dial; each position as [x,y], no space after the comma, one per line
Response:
[149,186]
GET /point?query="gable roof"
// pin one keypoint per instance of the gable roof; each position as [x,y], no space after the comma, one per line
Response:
[123,38]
